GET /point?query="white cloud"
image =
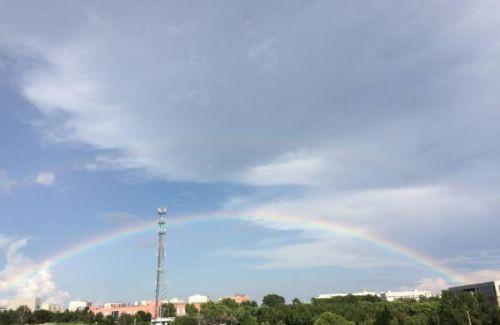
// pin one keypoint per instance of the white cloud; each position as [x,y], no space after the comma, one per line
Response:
[39,284]
[436,285]
[45,178]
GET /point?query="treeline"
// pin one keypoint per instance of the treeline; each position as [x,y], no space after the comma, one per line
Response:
[451,309]
[23,315]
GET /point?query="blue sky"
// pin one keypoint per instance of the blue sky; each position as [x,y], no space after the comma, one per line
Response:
[379,116]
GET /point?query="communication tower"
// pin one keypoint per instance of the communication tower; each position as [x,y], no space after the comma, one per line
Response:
[160,281]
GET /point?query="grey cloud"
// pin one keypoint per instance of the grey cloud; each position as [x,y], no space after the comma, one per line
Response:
[382,94]
[343,99]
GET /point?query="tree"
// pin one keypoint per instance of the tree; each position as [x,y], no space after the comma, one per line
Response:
[328,318]
[213,313]
[23,314]
[273,300]
[168,310]
[125,319]
[229,302]
[383,317]
[109,320]
[142,316]
[99,318]
[42,316]
[191,310]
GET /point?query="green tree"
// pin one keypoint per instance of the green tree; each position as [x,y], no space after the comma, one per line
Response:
[23,314]
[213,313]
[273,300]
[233,305]
[142,316]
[42,316]
[328,318]
[383,317]
[125,319]
[191,310]
[99,318]
[168,310]
[109,320]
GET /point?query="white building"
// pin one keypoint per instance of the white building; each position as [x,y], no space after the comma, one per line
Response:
[33,303]
[415,294]
[198,299]
[111,305]
[79,305]
[176,300]
[361,293]
[55,308]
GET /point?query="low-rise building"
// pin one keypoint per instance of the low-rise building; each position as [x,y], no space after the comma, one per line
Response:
[490,290]
[116,309]
[361,293]
[239,298]
[55,308]
[198,299]
[414,294]
[79,305]
[33,303]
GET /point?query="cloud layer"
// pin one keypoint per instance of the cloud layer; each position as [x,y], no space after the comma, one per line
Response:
[384,115]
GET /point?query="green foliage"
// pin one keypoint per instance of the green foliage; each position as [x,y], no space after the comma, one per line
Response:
[233,305]
[168,310]
[185,320]
[383,317]
[191,310]
[273,301]
[452,308]
[328,318]
[217,313]
[125,319]
[142,316]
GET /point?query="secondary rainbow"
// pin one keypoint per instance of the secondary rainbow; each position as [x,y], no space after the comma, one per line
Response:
[287,221]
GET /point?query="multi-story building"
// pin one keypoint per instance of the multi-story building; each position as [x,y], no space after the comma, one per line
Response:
[116,309]
[361,293]
[490,289]
[33,303]
[55,308]
[414,294]
[386,296]
[198,299]
[238,298]
[79,305]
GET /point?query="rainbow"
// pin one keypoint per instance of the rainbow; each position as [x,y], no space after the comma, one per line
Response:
[285,221]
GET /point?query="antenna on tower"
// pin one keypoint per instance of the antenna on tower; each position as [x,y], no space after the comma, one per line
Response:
[162,230]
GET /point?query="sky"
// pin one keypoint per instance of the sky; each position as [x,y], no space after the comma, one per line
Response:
[300,147]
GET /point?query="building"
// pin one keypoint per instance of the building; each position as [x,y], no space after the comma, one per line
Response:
[490,289]
[395,295]
[55,308]
[79,305]
[33,303]
[238,298]
[116,309]
[361,293]
[198,299]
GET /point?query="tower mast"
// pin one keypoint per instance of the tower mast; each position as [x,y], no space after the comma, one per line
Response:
[160,260]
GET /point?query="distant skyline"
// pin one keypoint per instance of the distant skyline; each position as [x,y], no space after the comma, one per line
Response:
[301,147]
